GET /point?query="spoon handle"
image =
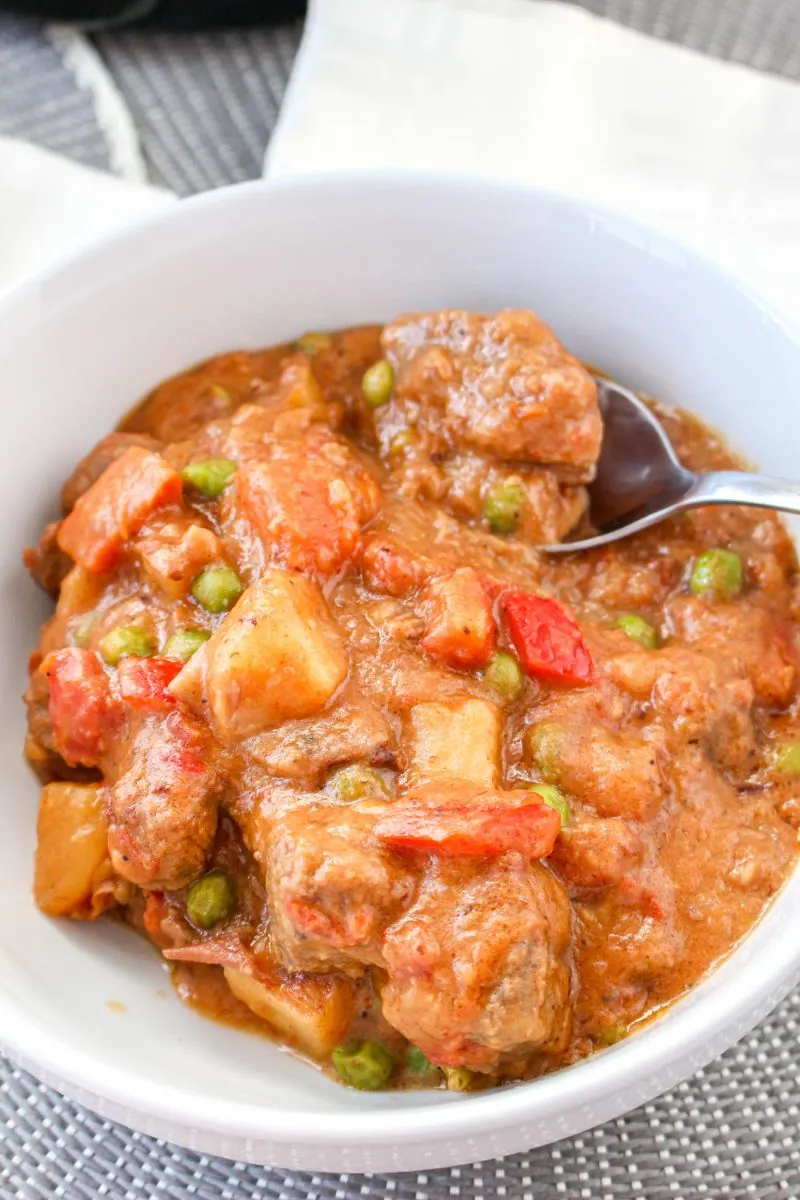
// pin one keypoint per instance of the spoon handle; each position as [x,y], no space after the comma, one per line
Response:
[740,487]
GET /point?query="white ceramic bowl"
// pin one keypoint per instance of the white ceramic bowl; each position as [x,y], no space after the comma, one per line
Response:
[257,264]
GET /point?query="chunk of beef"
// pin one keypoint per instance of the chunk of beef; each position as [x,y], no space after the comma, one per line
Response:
[46,561]
[615,774]
[753,639]
[407,543]
[640,950]
[163,808]
[504,385]
[332,887]
[464,481]
[697,698]
[549,507]
[477,965]
[595,853]
[340,365]
[354,731]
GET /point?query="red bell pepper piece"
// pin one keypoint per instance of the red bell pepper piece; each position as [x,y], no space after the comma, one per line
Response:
[116,507]
[548,641]
[143,682]
[479,826]
[82,709]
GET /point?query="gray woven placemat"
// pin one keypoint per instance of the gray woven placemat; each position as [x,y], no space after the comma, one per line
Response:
[204,106]
[40,99]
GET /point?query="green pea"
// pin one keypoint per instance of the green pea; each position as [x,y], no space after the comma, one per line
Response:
[126,641]
[401,442]
[210,476]
[183,644]
[546,747]
[357,782]
[458,1079]
[210,900]
[365,1065]
[786,758]
[639,630]
[504,674]
[312,343]
[417,1063]
[553,798]
[717,573]
[613,1034]
[503,505]
[217,588]
[221,394]
[377,383]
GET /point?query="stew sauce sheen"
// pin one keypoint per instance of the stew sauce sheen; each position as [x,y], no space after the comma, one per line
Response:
[439,790]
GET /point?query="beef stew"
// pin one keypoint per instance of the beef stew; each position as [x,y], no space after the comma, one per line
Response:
[369,770]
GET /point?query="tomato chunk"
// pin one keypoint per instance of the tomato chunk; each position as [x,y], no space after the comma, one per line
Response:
[481,825]
[156,910]
[459,627]
[116,507]
[547,639]
[143,682]
[82,709]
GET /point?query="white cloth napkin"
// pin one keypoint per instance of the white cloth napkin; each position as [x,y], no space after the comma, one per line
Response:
[543,93]
[50,206]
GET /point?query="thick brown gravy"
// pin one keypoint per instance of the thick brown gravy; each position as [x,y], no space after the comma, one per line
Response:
[348,751]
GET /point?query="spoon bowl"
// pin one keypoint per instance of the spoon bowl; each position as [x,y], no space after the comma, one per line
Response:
[640,481]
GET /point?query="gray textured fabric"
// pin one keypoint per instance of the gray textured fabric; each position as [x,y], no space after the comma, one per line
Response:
[760,33]
[204,106]
[39,99]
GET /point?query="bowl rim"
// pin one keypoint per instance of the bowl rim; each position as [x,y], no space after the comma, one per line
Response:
[659,1052]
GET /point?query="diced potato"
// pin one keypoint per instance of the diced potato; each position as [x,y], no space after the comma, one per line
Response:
[80,592]
[277,656]
[188,686]
[455,740]
[175,554]
[79,595]
[298,388]
[311,1011]
[72,852]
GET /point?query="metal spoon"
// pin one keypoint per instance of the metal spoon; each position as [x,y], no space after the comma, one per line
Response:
[639,480]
